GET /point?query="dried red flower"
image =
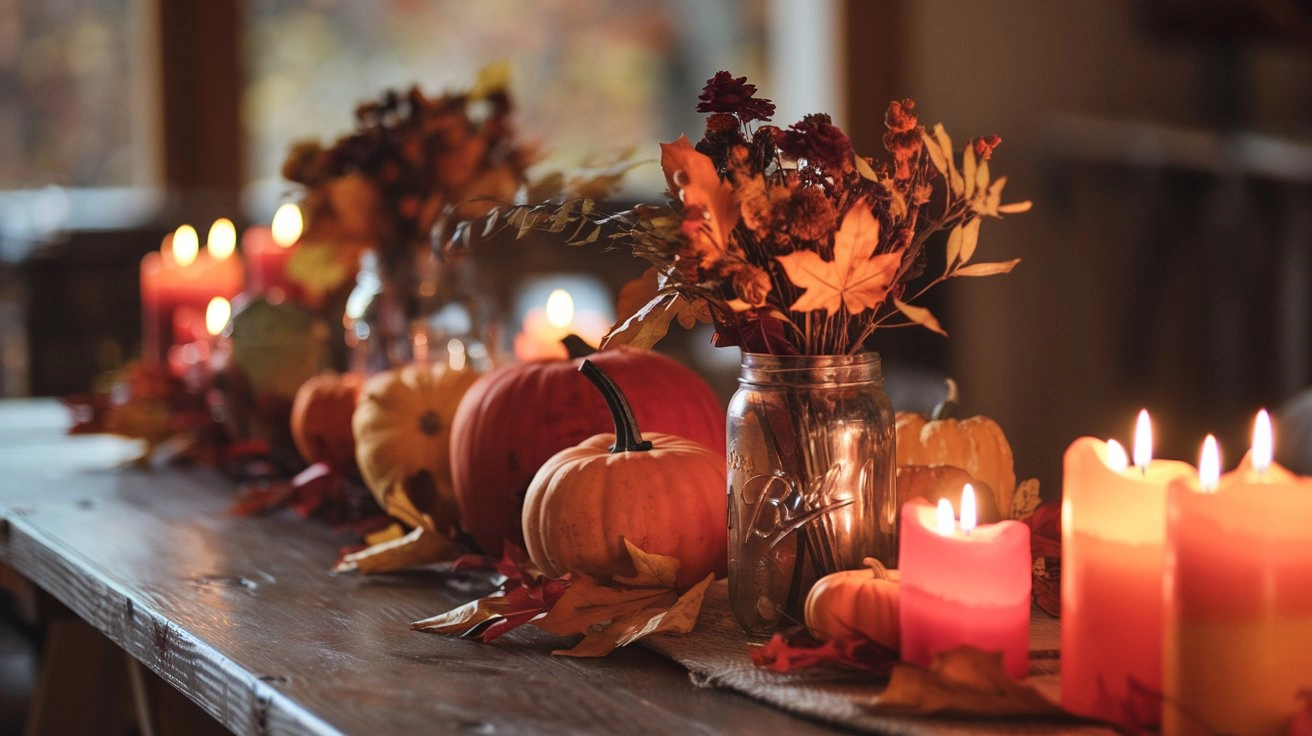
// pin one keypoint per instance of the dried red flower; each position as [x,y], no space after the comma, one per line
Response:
[820,143]
[724,93]
[903,137]
[984,146]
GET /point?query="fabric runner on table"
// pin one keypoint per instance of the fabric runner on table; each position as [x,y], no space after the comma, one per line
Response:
[716,654]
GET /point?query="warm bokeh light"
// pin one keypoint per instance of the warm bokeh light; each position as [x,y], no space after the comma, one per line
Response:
[186,245]
[222,240]
[944,521]
[1143,440]
[455,354]
[217,315]
[560,308]
[1209,465]
[1263,443]
[1116,458]
[287,225]
[968,507]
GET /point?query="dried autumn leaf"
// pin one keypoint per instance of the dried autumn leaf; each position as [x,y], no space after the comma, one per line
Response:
[320,268]
[489,617]
[968,170]
[1016,208]
[650,323]
[856,280]
[650,570]
[636,293]
[864,169]
[920,316]
[623,616]
[419,547]
[945,144]
[799,652]
[692,177]
[1025,500]
[936,155]
[962,682]
[987,269]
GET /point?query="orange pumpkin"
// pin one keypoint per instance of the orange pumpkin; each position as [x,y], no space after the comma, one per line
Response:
[856,604]
[663,493]
[321,420]
[933,482]
[976,445]
[402,426]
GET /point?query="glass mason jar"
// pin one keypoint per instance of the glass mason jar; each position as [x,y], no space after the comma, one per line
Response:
[416,309]
[812,472]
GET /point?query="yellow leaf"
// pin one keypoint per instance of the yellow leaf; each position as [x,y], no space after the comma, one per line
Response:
[986,269]
[856,280]
[649,324]
[982,176]
[968,170]
[1025,499]
[320,268]
[1016,208]
[964,681]
[863,168]
[969,239]
[650,570]
[936,155]
[920,316]
[945,143]
[954,248]
[386,534]
[493,78]
[419,547]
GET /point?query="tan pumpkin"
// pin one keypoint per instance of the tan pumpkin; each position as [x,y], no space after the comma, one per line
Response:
[933,482]
[321,420]
[976,445]
[402,426]
[856,604]
[665,494]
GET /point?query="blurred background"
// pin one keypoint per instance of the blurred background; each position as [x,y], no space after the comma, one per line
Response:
[1166,144]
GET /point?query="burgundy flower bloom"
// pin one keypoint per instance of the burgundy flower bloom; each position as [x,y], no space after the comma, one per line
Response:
[903,136]
[821,143]
[724,93]
[984,146]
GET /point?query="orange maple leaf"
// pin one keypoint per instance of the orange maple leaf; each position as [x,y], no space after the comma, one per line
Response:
[856,280]
[709,202]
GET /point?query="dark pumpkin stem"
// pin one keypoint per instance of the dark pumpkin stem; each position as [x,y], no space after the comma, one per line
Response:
[576,346]
[947,408]
[627,436]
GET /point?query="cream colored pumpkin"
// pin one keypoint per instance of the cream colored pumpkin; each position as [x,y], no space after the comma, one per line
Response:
[402,426]
[856,604]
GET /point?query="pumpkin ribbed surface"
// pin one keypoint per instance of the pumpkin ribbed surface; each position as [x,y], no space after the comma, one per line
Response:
[402,426]
[976,445]
[668,500]
[321,420]
[514,419]
[855,604]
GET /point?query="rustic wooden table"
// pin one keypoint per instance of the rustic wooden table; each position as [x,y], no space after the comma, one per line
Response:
[241,615]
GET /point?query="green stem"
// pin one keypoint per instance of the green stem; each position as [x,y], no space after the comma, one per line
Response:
[627,436]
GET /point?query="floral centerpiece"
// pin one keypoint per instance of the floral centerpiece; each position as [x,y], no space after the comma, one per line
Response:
[791,243]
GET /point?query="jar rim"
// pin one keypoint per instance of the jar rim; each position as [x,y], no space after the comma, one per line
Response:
[813,369]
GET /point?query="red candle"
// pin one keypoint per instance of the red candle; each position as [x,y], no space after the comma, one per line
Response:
[267,251]
[177,285]
[1113,531]
[1239,598]
[962,585]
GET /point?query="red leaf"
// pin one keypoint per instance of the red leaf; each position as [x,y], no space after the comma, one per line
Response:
[799,652]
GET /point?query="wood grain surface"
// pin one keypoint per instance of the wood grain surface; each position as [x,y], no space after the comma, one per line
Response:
[241,615]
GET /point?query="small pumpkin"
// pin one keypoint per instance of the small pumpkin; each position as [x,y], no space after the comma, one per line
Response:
[321,420]
[933,482]
[856,604]
[977,445]
[515,418]
[663,493]
[402,426]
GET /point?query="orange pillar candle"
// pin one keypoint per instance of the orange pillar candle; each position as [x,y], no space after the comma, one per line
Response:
[963,585]
[1239,598]
[178,282]
[1113,531]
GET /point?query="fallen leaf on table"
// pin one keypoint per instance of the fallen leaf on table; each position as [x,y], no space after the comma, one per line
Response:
[1025,499]
[961,682]
[419,547]
[799,652]
[489,617]
[611,617]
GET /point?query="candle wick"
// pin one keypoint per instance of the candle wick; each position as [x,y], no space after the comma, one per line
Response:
[1143,470]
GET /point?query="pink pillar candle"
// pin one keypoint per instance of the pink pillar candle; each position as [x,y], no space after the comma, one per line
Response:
[965,588]
[174,296]
[1239,603]
[266,262]
[1113,529]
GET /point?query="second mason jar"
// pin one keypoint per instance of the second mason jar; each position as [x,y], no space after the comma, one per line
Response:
[812,470]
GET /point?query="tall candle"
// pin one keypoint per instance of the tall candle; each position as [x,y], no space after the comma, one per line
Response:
[963,585]
[1239,599]
[177,284]
[268,249]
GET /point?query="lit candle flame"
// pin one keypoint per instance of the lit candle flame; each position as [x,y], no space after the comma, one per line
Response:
[1262,442]
[419,348]
[186,245]
[217,315]
[287,225]
[456,354]
[1143,441]
[944,521]
[560,308]
[1209,465]
[967,507]
[222,240]
[1117,460]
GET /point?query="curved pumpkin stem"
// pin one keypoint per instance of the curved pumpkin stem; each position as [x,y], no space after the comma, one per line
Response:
[947,408]
[876,567]
[627,436]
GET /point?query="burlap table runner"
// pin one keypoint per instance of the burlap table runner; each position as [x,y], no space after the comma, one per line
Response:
[716,655]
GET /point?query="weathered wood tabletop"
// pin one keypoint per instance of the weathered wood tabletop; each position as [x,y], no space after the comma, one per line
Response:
[241,615]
